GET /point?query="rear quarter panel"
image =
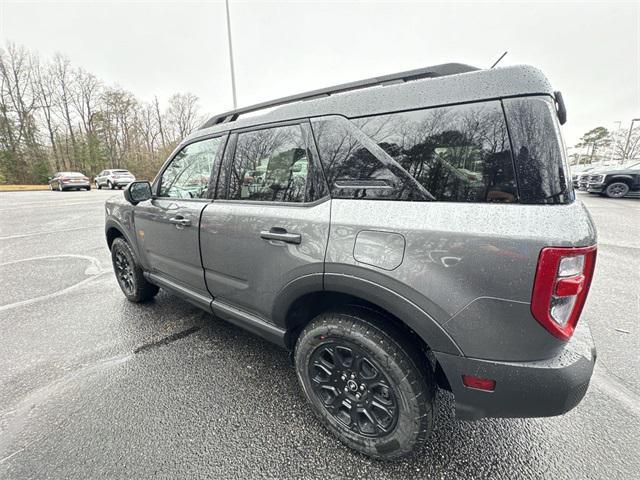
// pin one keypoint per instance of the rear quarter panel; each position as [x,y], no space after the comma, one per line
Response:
[470,266]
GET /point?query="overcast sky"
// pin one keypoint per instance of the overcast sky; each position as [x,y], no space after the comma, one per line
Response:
[589,50]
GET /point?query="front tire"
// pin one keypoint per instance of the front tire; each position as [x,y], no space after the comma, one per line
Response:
[98,186]
[129,274]
[367,383]
[616,190]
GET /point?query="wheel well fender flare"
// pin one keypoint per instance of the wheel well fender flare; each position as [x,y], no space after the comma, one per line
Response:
[414,317]
[111,225]
[620,178]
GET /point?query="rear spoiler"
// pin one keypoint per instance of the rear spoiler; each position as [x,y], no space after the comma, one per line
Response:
[561,110]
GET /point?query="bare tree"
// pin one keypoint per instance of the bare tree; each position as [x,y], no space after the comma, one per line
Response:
[57,117]
[183,114]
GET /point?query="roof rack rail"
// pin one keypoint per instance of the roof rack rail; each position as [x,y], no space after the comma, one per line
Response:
[417,74]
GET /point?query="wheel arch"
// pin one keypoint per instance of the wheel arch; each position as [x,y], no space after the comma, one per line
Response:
[620,178]
[303,300]
[114,230]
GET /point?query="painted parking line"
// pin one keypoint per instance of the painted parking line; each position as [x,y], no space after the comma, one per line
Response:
[49,232]
[21,206]
[94,269]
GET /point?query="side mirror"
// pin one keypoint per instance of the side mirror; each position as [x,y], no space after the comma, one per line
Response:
[137,192]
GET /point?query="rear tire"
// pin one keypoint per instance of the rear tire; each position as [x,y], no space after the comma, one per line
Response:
[129,274]
[379,398]
[110,185]
[616,190]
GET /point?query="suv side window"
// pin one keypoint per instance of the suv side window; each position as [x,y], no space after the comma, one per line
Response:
[458,153]
[270,165]
[189,173]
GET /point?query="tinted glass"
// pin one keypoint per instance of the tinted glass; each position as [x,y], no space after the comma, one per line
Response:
[353,170]
[270,165]
[189,173]
[538,150]
[459,153]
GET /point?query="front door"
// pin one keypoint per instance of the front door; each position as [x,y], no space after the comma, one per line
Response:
[167,226]
[271,226]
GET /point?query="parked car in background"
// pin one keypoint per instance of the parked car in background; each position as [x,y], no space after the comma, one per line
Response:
[69,181]
[578,173]
[390,258]
[113,179]
[615,182]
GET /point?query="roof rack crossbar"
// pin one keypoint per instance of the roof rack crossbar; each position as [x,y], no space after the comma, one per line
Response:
[407,76]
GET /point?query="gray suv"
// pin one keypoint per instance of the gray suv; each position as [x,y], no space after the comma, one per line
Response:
[398,235]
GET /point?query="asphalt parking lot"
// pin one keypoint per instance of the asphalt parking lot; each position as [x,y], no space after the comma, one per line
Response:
[92,386]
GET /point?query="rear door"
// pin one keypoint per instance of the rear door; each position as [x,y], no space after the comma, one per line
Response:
[269,224]
[167,225]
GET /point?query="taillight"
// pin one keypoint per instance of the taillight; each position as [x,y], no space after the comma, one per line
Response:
[561,285]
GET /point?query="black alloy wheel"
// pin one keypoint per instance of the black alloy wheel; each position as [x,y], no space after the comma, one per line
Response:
[353,389]
[617,190]
[367,381]
[124,272]
[129,274]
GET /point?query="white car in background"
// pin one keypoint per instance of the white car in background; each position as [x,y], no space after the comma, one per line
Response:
[112,179]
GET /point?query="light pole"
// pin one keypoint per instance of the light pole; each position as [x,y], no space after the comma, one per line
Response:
[233,75]
[626,145]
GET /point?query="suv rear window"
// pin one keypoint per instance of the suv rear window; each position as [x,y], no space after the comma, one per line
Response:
[459,154]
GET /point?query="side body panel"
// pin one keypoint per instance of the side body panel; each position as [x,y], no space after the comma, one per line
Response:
[469,266]
[169,249]
[247,271]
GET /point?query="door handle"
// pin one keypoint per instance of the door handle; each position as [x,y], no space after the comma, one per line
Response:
[180,220]
[282,235]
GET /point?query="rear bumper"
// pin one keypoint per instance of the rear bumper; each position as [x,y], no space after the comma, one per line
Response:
[76,185]
[524,389]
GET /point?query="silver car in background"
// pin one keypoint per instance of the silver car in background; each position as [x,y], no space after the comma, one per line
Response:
[118,178]
[69,180]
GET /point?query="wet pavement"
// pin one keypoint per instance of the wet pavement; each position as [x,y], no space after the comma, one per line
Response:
[92,386]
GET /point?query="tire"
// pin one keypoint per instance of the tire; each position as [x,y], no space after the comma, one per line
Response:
[98,186]
[616,190]
[89,188]
[60,187]
[135,287]
[110,185]
[374,346]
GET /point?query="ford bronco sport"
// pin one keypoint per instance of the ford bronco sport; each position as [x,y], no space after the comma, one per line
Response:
[398,234]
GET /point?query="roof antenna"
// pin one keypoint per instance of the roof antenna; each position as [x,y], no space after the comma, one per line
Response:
[498,61]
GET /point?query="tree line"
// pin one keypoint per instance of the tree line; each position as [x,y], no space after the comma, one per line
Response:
[599,144]
[58,117]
